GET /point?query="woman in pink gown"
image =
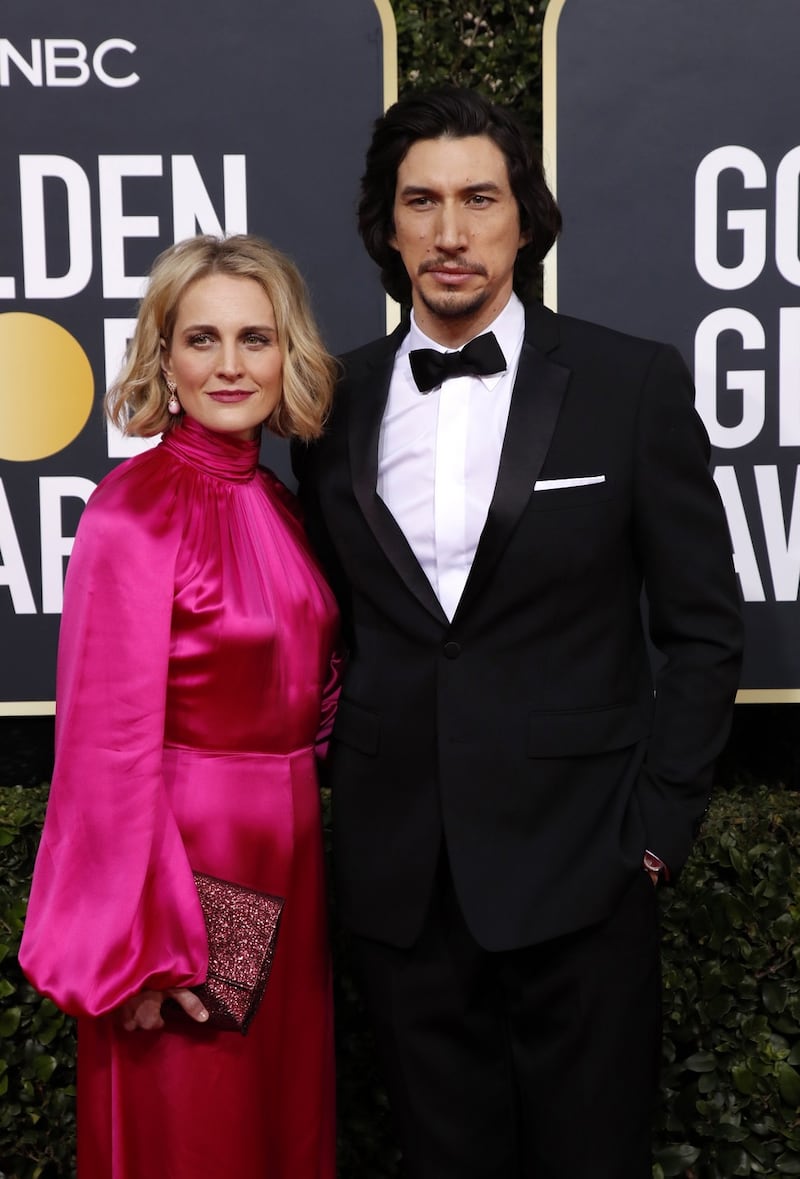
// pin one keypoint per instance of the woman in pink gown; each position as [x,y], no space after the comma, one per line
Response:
[196,686]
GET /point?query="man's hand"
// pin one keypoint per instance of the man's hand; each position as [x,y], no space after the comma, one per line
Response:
[655,868]
[144,1009]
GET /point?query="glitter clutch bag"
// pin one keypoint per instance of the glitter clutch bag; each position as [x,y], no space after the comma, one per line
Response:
[242,927]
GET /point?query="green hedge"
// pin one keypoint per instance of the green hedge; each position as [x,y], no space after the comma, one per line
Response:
[37,1042]
[731,1081]
[731,1085]
[493,46]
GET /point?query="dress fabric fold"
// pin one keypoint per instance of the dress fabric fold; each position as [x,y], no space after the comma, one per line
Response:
[196,685]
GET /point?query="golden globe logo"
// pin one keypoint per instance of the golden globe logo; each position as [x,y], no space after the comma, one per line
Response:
[46,396]
[47,391]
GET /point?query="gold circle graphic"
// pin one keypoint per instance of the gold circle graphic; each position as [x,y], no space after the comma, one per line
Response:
[46,387]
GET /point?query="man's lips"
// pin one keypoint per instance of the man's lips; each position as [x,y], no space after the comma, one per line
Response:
[450,275]
[230,396]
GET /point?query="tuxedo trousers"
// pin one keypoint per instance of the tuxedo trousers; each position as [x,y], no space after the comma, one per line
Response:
[533,1063]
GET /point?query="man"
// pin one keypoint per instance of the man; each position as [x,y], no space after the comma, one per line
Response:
[507,785]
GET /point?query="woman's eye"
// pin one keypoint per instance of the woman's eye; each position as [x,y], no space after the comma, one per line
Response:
[199,338]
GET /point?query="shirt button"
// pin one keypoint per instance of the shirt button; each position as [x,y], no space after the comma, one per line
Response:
[452,650]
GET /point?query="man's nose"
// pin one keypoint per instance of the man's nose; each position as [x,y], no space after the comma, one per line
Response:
[449,229]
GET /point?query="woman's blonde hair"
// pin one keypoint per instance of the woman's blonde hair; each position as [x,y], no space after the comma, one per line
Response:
[137,400]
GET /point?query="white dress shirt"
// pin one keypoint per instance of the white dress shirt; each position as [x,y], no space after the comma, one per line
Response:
[439,454]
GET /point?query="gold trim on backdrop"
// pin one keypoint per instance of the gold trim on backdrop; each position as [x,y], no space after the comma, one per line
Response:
[390,84]
[27,708]
[768,696]
[392,314]
[549,134]
[389,29]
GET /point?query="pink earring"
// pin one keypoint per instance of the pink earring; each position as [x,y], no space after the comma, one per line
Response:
[173,405]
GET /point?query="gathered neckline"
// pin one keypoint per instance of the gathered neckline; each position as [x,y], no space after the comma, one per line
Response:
[219,455]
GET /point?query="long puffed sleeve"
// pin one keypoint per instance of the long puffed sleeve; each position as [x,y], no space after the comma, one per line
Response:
[330,699]
[113,906]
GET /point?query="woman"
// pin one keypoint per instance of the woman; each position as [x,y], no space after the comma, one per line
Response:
[195,680]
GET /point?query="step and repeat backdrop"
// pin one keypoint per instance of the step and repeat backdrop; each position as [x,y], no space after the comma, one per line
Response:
[124,129]
[672,139]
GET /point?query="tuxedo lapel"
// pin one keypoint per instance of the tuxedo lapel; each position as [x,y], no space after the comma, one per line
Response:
[366,413]
[535,404]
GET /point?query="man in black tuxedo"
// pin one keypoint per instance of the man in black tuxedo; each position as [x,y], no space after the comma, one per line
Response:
[509,779]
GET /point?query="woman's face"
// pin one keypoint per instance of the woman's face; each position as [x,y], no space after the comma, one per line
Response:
[224,356]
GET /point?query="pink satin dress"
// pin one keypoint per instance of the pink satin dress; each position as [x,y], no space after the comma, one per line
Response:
[196,685]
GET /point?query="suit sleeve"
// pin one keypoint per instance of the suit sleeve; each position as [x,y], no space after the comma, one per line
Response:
[693,606]
[113,906]
[305,464]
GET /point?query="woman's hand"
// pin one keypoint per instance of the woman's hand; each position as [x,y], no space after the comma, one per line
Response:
[144,1009]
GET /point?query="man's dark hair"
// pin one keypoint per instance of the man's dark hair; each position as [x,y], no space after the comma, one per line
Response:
[455,112]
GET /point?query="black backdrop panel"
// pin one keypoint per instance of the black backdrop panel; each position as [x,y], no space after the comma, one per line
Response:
[673,137]
[124,128]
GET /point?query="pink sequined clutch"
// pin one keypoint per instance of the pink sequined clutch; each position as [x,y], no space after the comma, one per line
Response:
[242,927]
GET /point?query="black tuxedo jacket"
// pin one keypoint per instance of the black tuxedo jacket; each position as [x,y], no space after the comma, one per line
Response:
[526,733]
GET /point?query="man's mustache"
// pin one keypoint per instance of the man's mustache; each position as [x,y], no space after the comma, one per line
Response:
[448,264]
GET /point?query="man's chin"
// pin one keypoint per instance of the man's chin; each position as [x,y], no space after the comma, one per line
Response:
[454,304]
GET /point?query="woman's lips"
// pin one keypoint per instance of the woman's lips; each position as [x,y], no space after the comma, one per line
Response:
[230,396]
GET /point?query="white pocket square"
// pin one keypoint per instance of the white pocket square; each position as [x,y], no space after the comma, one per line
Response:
[558,484]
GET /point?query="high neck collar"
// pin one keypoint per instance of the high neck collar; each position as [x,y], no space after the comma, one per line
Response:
[219,455]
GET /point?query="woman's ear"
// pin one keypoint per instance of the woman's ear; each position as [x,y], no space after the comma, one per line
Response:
[165,365]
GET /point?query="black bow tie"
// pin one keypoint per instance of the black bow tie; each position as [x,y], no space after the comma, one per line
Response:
[479,358]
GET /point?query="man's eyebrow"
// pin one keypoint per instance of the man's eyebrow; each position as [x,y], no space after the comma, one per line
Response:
[482,186]
[426,190]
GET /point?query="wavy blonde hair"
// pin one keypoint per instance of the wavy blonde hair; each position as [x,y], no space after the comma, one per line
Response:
[137,400]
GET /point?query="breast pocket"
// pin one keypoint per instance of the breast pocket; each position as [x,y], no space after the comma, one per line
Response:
[578,492]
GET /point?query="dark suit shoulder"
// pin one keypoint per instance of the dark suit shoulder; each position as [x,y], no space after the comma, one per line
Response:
[552,331]
[378,352]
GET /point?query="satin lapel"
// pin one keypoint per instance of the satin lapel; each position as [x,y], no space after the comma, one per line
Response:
[366,414]
[535,404]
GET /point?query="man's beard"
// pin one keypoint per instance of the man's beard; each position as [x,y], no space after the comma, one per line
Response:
[453,305]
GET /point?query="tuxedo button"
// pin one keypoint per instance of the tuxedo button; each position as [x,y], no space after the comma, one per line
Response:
[452,650]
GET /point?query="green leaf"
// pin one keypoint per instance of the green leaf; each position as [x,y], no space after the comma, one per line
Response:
[743,1079]
[674,1160]
[734,1162]
[44,1066]
[727,1132]
[773,996]
[701,1062]
[9,1021]
[789,1084]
